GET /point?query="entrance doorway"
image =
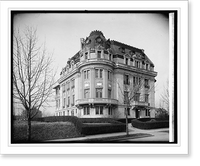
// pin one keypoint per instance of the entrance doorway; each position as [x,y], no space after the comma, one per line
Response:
[137,113]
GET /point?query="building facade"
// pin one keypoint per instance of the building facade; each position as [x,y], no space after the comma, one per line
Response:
[105,78]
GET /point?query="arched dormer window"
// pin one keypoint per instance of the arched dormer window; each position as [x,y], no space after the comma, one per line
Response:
[127,59]
[72,64]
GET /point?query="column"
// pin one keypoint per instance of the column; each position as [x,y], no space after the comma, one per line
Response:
[92,83]
[105,83]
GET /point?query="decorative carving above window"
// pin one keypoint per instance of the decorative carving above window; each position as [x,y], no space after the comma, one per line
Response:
[88,41]
[99,40]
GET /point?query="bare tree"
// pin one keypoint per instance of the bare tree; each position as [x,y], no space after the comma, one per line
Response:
[165,96]
[131,92]
[32,74]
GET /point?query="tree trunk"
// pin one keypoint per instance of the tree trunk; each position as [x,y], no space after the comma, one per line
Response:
[127,133]
[29,130]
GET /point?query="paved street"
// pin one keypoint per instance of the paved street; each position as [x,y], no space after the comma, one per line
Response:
[158,135]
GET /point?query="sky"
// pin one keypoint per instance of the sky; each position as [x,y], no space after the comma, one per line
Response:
[61,33]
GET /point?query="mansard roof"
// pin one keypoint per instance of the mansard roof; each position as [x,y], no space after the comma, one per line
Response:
[107,44]
[127,46]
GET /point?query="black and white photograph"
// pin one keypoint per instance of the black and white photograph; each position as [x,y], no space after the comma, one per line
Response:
[92,76]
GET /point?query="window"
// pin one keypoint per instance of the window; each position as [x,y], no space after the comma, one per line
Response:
[98,92]
[98,73]
[99,110]
[64,103]
[86,55]
[63,113]
[86,74]
[86,93]
[72,83]
[67,112]
[139,83]
[63,88]
[72,113]
[126,97]
[58,103]
[126,61]
[137,64]
[136,80]
[109,75]
[147,66]
[109,110]
[73,98]
[110,57]
[86,110]
[126,79]
[57,91]
[128,111]
[146,98]
[68,86]
[146,83]
[137,97]
[98,54]
[147,112]
[109,93]
[68,101]
[101,73]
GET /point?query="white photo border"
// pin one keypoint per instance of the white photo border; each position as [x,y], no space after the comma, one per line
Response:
[182,87]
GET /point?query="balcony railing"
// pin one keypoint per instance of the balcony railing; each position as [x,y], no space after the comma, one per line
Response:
[96,101]
[140,103]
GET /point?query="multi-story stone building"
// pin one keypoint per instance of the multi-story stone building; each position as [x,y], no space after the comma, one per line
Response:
[104,78]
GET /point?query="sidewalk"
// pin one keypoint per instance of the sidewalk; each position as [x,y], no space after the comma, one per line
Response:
[152,135]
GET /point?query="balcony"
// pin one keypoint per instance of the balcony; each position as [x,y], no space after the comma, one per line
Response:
[96,101]
[140,103]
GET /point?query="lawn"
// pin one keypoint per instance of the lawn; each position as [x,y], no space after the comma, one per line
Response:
[42,131]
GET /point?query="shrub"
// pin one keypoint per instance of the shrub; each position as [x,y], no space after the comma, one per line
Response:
[93,126]
[73,119]
[90,129]
[43,131]
[124,120]
[99,120]
[150,123]
[161,113]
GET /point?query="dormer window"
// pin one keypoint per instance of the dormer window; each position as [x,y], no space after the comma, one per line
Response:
[126,61]
[137,64]
[86,55]
[147,66]
[98,54]
[110,57]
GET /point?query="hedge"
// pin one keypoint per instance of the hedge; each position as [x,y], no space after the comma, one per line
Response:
[73,119]
[88,126]
[150,123]
[90,129]
[99,120]
[124,120]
